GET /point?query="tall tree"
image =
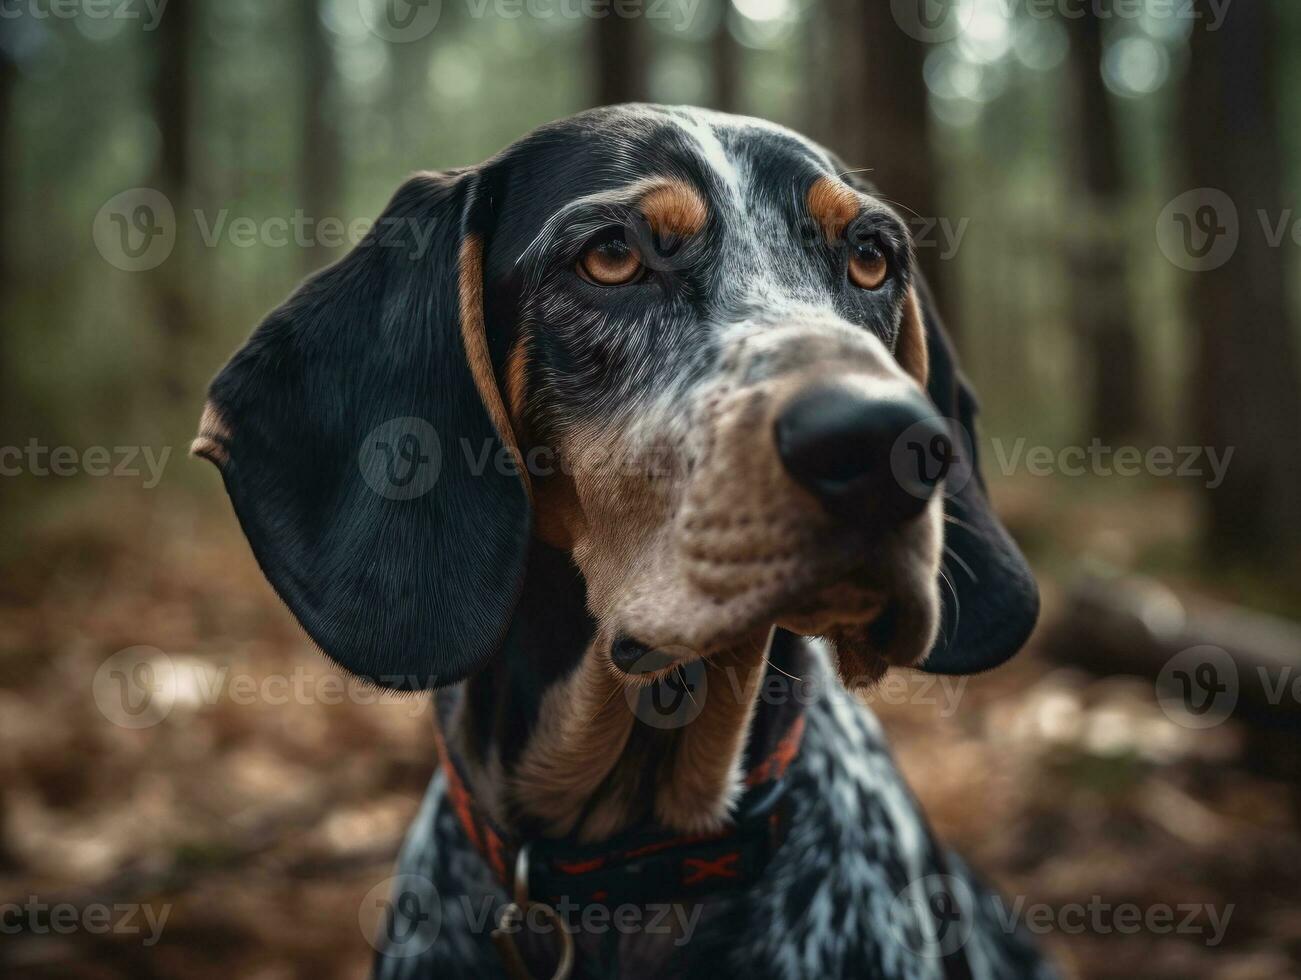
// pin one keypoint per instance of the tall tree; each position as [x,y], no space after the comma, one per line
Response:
[8,279]
[621,48]
[320,152]
[725,62]
[1101,301]
[878,112]
[1246,384]
[173,49]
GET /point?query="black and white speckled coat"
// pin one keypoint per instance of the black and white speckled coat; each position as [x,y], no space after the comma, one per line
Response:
[839,898]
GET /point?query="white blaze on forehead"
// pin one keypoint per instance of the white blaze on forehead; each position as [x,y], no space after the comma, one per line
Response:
[712,150]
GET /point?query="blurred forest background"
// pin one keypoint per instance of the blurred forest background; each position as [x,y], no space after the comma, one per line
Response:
[1104,195]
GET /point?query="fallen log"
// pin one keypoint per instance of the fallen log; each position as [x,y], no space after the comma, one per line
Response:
[1213,659]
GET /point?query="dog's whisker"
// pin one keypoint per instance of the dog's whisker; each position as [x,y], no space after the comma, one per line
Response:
[900,205]
[780,671]
[962,562]
[685,686]
[957,522]
[957,608]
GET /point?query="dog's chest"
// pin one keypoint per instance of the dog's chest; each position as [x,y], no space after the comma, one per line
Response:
[833,902]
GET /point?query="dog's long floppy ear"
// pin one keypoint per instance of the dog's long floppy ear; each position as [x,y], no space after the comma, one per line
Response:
[991,601]
[360,435]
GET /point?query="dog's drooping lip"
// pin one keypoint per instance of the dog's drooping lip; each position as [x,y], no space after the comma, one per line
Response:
[891,627]
[842,603]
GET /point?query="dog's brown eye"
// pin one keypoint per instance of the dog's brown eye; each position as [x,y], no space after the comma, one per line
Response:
[868,266]
[611,263]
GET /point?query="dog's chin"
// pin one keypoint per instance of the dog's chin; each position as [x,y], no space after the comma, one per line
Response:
[870,631]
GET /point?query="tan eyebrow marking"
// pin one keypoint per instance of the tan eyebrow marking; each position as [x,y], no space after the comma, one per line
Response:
[833,205]
[674,207]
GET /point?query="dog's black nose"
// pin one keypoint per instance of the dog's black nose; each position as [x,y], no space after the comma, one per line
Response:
[866,459]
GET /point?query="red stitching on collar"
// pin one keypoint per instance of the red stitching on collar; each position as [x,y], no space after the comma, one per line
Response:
[696,870]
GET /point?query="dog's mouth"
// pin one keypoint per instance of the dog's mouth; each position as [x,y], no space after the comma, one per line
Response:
[894,625]
[884,625]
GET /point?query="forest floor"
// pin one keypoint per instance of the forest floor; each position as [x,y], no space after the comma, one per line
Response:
[260,803]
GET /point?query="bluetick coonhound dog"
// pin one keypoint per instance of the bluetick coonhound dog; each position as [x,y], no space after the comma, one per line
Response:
[594,439]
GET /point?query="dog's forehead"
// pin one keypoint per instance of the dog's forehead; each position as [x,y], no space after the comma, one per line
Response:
[736,162]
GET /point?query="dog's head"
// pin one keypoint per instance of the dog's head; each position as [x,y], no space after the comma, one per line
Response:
[681,346]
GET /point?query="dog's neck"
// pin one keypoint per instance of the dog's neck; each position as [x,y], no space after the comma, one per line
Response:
[552,746]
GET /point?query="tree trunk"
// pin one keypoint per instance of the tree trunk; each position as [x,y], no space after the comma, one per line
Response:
[820,51]
[1246,384]
[8,278]
[881,103]
[320,150]
[620,44]
[892,113]
[725,62]
[171,105]
[1101,299]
